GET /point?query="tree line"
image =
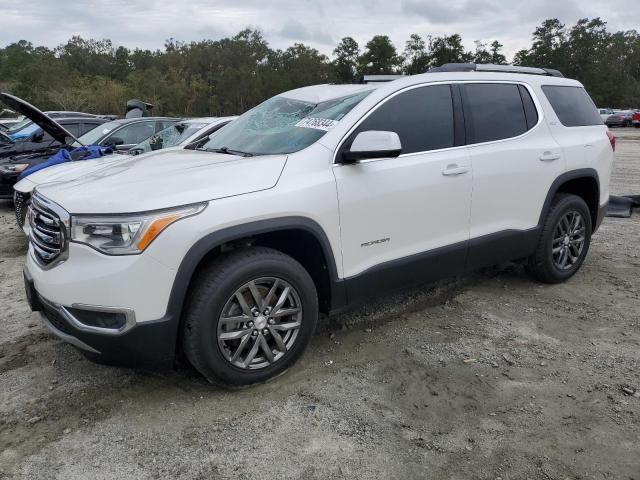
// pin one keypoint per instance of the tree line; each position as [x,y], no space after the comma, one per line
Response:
[230,75]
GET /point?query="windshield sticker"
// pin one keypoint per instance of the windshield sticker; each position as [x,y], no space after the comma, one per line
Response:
[317,123]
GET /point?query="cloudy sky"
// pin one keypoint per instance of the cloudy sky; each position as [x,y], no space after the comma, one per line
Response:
[320,23]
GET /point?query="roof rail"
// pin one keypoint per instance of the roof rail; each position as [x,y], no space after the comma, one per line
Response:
[489,67]
[379,78]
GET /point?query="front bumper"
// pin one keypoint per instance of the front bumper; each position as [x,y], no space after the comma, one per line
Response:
[149,345]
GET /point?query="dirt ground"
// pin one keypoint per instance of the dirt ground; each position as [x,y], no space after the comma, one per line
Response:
[490,377]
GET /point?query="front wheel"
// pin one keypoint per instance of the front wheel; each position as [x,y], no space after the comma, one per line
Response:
[249,317]
[564,240]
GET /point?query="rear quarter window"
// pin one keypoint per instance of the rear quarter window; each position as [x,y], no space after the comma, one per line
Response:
[495,111]
[572,105]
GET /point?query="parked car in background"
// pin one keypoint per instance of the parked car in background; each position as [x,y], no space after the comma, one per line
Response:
[5,139]
[48,135]
[621,118]
[317,199]
[181,133]
[46,139]
[125,133]
[635,119]
[26,127]
[604,113]
[40,140]
[185,133]
[8,118]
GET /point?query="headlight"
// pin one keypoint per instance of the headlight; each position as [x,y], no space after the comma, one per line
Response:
[14,168]
[126,234]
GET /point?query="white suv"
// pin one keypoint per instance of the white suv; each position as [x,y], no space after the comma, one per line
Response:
[313,201]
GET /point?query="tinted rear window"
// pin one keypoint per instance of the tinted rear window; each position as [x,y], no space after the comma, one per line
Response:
[573,105]
[495,111]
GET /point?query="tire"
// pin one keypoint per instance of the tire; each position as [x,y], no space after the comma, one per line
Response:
[214,297]
[545,264]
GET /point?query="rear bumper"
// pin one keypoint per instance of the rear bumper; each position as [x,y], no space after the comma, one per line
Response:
[147,345]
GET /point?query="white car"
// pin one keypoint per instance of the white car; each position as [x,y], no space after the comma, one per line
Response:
[181,134]
[605,113]
[317,200]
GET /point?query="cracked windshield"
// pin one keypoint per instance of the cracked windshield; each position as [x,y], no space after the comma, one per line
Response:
[282,125]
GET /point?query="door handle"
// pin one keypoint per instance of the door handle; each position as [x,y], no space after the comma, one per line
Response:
[549,157]
[454,169]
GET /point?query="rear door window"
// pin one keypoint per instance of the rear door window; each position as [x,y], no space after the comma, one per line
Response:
[572,105]
[422,117]
[87,127]
[495,111]
[73,129]
[136,132]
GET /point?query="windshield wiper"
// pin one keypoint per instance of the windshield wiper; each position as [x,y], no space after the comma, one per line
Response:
[227,151]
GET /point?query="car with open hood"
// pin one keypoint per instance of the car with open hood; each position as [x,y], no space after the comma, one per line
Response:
[316,200]
[49,135]
[44,140]
[185,134]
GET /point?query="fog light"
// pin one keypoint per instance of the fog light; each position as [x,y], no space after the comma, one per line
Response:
[99,319]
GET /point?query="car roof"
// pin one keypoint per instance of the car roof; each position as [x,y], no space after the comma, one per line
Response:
[124,121]
[64,120]
[326,92]
[207,120]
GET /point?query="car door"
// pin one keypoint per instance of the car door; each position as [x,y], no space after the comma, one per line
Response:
[515,160]
[405,220]
[131,134]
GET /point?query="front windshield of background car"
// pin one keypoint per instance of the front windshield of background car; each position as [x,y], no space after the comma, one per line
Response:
[16,127]
[92,137]
[25,132]
[171,136]
[282,125]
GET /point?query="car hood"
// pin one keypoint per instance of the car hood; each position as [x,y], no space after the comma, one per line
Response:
[64,172]
[50,126]
[164,179]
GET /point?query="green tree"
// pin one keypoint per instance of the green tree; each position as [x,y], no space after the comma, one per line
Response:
[481,54]
[497,57]
[448,49]
[379,57]
[416,56]
[345,64]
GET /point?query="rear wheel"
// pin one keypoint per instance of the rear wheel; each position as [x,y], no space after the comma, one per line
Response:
[250,316]
[564,241]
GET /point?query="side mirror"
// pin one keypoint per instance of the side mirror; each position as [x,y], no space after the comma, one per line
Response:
[373,144]
[37,137]
[115,141]
[156,142]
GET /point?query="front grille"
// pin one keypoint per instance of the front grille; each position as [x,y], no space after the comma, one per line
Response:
[20,203]
[48,232]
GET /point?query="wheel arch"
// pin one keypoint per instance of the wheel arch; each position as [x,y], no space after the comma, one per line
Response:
[299,237]
[584,183]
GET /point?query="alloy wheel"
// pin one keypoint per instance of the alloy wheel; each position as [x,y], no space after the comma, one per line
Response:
[569,238]
[259,323]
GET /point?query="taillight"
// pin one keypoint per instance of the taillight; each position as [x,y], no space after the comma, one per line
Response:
[612,140]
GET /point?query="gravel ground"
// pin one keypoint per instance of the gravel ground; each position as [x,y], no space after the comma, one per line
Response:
[492,376]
